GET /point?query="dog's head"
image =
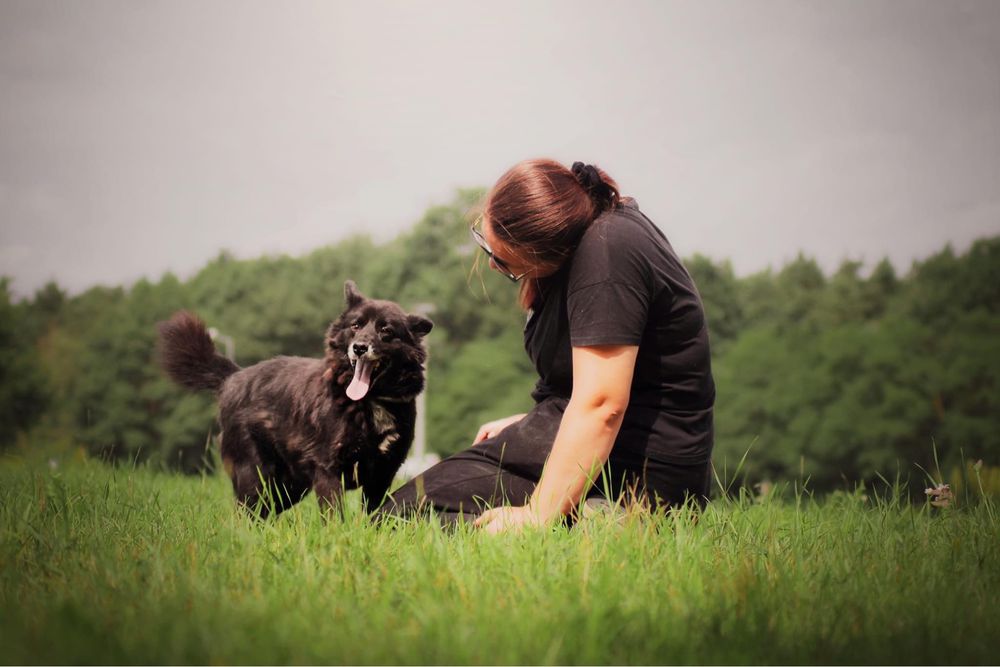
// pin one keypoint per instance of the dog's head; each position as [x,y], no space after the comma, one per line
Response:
[374,348]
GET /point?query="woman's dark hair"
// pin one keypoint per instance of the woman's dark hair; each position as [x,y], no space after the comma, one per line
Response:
[539,209]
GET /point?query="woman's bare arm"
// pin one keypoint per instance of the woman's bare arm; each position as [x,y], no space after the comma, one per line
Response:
[602,381]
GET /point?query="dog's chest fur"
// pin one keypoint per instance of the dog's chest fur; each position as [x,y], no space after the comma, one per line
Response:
[379,428]
[385,426]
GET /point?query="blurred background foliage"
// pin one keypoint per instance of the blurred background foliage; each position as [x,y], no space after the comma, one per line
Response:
[826,378]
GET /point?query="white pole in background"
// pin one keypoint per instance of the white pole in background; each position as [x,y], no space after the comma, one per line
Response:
[227,341]
[419,460]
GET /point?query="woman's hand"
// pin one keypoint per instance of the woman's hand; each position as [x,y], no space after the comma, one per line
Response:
[506,518]
[490,429]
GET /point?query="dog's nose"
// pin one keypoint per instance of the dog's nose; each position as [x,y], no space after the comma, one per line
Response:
[360,349]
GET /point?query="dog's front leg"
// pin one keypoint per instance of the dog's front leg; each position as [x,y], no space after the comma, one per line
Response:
[329,491]
[374,489]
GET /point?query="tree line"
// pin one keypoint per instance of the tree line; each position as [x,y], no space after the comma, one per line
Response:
[827,378]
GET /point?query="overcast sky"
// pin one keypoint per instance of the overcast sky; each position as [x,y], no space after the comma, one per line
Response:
[141,137]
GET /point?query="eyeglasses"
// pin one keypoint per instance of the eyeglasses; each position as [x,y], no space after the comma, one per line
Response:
[478,237]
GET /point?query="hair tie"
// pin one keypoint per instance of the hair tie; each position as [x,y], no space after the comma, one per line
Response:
[588,177]
[602,194]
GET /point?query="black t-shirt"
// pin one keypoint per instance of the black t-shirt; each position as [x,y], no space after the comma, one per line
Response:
[625,285]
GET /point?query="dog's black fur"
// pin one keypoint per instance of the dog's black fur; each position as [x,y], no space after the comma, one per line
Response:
[287,424]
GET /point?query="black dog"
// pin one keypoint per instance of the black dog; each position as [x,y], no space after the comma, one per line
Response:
[291,424]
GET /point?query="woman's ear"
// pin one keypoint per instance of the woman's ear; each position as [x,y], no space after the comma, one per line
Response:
[419,326]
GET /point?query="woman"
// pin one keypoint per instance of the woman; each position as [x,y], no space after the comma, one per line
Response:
[617,332]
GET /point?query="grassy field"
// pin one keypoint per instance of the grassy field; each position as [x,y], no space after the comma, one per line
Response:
[132,566]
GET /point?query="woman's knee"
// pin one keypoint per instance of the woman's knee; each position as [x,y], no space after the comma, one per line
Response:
[403,502]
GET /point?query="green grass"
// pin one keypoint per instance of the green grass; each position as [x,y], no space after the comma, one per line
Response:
[132,566]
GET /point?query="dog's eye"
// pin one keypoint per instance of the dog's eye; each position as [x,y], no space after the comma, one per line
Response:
[356,325]
[386,331]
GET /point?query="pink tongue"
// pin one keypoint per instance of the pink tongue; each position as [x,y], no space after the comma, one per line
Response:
[361,380]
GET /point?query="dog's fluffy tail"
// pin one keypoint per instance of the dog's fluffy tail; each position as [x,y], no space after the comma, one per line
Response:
[188,355]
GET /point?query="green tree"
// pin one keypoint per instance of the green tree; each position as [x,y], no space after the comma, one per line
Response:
[23,389]
[832,378]
[718,287]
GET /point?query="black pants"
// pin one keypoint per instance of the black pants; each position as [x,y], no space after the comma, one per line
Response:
[504,469]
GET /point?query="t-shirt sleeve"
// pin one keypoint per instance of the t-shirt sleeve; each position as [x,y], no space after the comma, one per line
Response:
[610,286]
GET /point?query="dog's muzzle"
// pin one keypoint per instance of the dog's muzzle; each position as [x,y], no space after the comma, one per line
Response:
[364,361]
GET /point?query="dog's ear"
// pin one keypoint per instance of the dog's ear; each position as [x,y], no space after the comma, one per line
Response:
[351,294]
[419,326]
